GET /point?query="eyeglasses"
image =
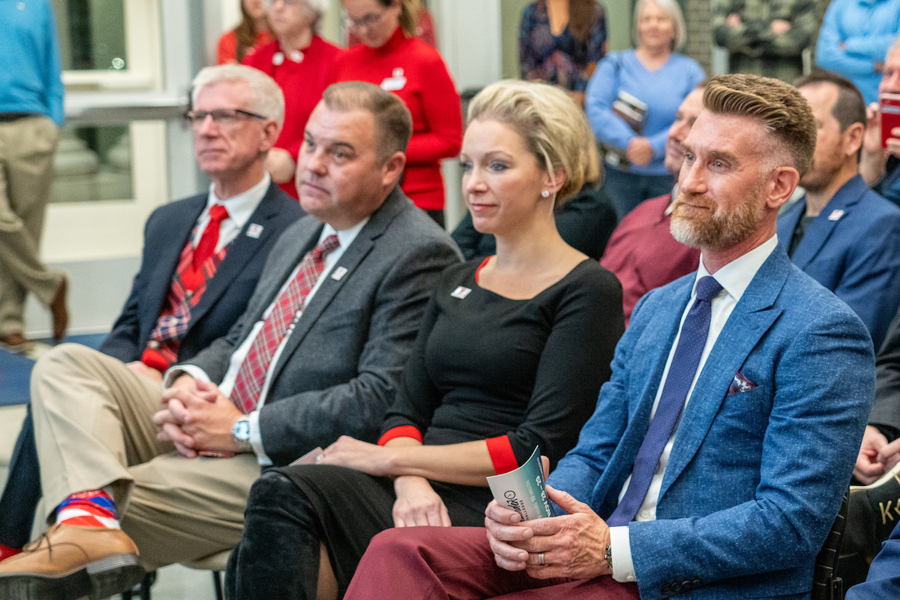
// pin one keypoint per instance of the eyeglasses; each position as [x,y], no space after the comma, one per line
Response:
[223,117]
[365,21]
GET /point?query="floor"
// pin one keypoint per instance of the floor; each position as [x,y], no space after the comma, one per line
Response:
[172,583]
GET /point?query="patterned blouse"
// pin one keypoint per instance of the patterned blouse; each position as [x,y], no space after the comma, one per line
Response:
[563,60]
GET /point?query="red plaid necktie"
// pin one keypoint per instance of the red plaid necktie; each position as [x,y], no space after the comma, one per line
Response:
[206,247]
[252,374]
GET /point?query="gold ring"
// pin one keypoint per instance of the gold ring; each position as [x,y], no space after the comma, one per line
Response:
[541,559]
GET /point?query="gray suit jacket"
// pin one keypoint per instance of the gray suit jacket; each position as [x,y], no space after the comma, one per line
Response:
[342,364]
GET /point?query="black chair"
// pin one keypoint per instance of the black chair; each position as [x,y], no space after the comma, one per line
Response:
[826,583]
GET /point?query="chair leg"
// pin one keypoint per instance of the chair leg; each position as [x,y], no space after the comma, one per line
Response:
[217,583]
[149,580]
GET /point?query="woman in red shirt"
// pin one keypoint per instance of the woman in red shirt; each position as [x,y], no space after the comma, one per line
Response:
[301,63]
[391,56]
[240,41]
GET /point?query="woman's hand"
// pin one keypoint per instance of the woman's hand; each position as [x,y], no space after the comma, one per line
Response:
[639,151]
[354,454]
[418,504]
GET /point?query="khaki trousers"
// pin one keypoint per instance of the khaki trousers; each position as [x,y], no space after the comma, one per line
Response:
[93,427]
[27,147]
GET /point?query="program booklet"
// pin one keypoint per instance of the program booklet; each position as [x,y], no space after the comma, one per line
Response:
[523,490]
[634,113]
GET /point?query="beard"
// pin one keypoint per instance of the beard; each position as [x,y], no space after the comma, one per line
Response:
[715,229]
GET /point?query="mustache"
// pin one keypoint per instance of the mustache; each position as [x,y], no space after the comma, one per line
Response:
[693,200]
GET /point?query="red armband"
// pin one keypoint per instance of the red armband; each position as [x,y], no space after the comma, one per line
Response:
[401,431]
[502,454]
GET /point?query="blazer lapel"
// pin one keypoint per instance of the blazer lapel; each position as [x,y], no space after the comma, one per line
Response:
[350,260]
[649,361]
[823,226]
[751,318]
[243,249]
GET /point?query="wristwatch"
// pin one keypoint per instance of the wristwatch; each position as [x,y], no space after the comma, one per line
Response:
[240,433]
[609,557]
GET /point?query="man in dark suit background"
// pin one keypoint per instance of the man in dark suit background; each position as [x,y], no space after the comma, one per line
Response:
[257,213]
[841,233]
[318,353]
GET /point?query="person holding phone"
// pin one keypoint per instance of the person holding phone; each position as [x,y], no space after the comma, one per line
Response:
[880,156]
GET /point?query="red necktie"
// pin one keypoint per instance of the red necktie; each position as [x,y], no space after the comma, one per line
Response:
[252,374]
[206,247]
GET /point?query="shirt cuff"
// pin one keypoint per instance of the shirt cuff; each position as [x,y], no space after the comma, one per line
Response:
[177,371]
[623,566]
[400,431]
[502,454]
[256,440]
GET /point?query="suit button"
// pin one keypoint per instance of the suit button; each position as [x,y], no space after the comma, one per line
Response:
[665,589]
[676,587]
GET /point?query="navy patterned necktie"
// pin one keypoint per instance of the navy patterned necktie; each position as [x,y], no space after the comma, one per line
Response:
[678,382]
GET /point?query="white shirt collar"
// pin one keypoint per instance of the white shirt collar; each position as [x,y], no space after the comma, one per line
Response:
[736,276]
[240,207]
[346,236]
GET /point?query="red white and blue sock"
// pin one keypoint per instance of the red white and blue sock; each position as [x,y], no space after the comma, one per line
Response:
[94,508]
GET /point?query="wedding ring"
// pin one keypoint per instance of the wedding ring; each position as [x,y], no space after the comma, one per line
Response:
[541,559]
[320,457]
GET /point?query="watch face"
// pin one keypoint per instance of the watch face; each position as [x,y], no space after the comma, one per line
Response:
[241,430]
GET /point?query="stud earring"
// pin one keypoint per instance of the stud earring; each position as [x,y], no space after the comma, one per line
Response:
[545,194]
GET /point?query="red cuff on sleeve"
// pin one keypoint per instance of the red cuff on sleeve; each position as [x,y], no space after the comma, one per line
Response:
[401,431]
[502,454]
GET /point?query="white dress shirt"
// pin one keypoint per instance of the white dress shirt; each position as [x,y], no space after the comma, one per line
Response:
[239,209]
[345,238]
[734,278]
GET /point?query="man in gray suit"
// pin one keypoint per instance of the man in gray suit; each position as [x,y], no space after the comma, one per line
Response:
[318,353]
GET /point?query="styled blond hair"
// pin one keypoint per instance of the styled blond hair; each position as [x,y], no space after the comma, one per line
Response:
[779,106]
[266,98]
[553,127]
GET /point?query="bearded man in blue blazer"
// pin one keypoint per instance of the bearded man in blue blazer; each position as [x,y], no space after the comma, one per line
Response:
[721,447]
[149,333]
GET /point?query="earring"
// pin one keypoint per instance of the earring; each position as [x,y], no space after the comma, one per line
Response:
[545,194]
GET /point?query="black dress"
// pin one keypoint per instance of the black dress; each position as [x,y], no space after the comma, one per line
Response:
[484,366]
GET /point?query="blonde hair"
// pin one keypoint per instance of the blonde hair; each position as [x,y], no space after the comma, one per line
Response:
[671,8]
[266,98]
[778,106]
[553,127]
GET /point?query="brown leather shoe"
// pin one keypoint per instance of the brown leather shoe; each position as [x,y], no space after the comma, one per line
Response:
[16,342]
[58,310]
[70,562]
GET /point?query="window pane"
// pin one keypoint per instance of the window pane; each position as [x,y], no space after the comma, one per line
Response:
[91,34]
[93,163]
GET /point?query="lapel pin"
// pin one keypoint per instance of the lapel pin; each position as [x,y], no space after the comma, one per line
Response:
[339,273]
[835,215]
[254,231]
[460,292]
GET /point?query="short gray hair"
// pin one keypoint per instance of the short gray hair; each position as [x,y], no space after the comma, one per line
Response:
[266,98]
[671,8]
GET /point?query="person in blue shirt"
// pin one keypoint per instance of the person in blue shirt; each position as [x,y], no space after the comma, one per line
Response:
[855,36]
[632,99]
[31,111]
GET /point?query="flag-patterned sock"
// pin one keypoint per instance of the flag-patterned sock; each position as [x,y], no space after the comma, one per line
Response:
[94,508]
[6,552]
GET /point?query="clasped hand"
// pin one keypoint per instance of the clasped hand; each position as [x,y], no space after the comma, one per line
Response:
[574,545]
[196,417]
